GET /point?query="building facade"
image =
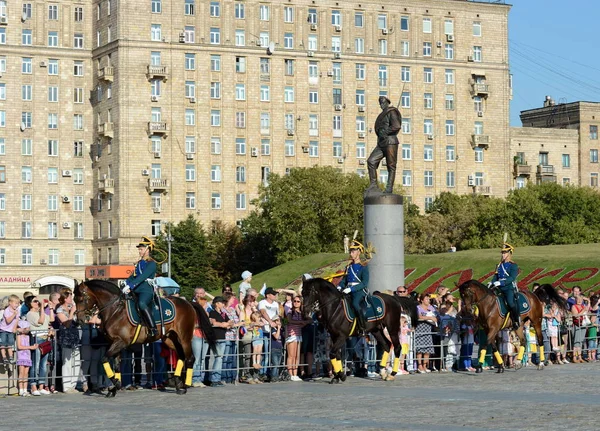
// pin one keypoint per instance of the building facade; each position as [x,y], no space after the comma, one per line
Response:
[584,118]
[190,105]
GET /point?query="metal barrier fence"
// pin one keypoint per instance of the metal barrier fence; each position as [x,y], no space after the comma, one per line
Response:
[149,365]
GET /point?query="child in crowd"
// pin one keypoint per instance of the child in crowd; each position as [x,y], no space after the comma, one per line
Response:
[8,324]
[505,347]
[530,357]
[276,350]
[449,336]
[592,337]
[257,339]
[553,325]
[404,342]
[24,358]
[467,342]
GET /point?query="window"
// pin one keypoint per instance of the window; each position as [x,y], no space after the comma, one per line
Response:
[25,229]
[78,203]
[189,34]
[190,117]
[215,118]
[406,152]
[449,51]
[383,75]
[215,145]
[360,123]
[215,173]
[190,200]
[477,54]
[2,36]
[78,68]
[428,152]
[215,36]
[240,146]
[265,147]
[52,94]
[288,14]
[428,100]
[240,92]
[156,6]
[264,12]
[477,28]
[25,120]
[26,92]
[215,63]
[359,19]
[594,179]
[449,98]
[240,201]
[404,48]
[2,176]
[240,64]
[404,23]
[406,125]
[360,72]
[288,40]
[190,172]
[426,49]
[240,120]
[449,127]
[313,125]
[265,65]
[593,156]
[289,147]
[407,178]
[449,75]
[77,122]
[52,230]
[2,147]
[337,149]
[479,154]
[337,125]
[450,153]
[593,132]
[26,202]
[290,122]
[52,175]
[215,201]
[26,38]
[239,11]
[428,178]
[428,127]
[53,38]
[289,67]
[79,257]
[336,17]
[215,9]
[26,174]
[360,97]
[78,149]
[215,90]
[264,39]
[313,96]
[405,100]
[566,160]
[26,12]
[26,65]
[77,176]
[427,75]
[383,46]
[78,40]
[26,256]
[189,8]
[405,74]
[288,94]
[240,174]
[240,37]
[78,15]
[478,103]
[265,122]
[450,179]
[426,25]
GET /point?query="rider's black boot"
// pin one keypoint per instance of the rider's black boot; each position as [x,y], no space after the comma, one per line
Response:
[515,318]
[149,322]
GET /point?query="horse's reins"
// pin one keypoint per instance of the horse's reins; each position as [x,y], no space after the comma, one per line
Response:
[95,309]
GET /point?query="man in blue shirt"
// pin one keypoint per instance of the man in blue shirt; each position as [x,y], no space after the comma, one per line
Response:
[356,282]
[505,279]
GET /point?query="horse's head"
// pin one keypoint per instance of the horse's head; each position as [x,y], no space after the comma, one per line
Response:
[86,301]
[317,295]
[471,292]
[310,297]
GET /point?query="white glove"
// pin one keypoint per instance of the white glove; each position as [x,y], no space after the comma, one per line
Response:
[347,290]
[339,288]
[496,283]
[489,284]
[126,290]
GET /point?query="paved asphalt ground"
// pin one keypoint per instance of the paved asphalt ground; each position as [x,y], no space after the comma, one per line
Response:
[558,398]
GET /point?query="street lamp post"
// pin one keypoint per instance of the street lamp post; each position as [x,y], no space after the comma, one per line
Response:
[169,240]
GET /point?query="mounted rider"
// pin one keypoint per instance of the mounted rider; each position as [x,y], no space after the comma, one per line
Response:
[137,282]
[505,279]
[356,282]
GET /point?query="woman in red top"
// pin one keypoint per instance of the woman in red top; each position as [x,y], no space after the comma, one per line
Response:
[578,310]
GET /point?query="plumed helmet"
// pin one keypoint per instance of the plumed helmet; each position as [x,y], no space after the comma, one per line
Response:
[506,247]
[357,246]
[146,242]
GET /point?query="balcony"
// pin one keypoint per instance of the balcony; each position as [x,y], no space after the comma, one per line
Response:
[546,174]
[157,185]
[106,130]
[157,72]
[480,140]
[480,89]
[522,170]
[106,74]
[157,128]
[482,190]
[107,185]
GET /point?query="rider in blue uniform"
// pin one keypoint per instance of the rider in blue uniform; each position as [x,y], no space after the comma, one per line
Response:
[145,268]
[356,281]
[506,280]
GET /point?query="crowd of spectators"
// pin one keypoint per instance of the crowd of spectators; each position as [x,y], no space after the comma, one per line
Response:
[260,339]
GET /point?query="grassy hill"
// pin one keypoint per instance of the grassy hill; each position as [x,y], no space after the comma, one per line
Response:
[565,265]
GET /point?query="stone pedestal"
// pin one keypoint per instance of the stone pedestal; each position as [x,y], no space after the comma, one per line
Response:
[384,229]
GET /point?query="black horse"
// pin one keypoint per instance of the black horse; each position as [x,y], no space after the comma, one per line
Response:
[322,297]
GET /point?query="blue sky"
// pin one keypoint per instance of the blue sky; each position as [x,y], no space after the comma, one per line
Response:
[554,51]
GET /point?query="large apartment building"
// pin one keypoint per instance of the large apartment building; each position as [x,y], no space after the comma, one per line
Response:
[187,106]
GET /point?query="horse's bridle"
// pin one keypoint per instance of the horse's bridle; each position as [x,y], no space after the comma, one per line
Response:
[474,304]
[89,313]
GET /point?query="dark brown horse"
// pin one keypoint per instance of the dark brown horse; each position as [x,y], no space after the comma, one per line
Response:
[105,299]
[322,297]
[483,305]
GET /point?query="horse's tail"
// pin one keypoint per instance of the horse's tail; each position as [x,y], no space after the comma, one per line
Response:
[204,322]
[409,307]
[546,293]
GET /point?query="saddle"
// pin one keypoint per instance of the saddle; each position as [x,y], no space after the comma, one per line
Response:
[523,304]
[168,311]
[375,309]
